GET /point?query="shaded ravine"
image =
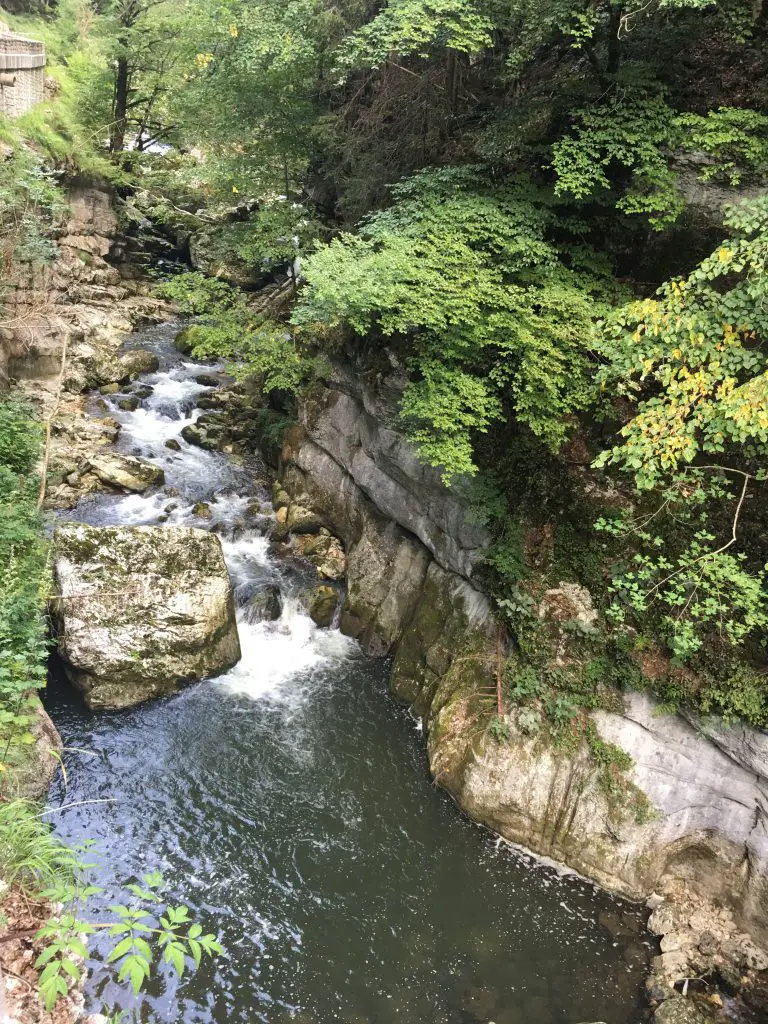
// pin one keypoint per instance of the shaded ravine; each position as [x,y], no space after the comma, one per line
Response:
[288,804]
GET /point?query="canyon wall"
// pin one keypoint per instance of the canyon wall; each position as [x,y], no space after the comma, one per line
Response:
[695,815]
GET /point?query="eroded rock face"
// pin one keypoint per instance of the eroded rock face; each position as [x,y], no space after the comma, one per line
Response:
[126,472]
[352,440]
[141,610]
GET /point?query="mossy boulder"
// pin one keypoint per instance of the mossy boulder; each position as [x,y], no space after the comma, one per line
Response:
[322,605]
[184,341]
[140,611]
[136,362]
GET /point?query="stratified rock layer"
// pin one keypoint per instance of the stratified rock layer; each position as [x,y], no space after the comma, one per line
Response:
[141,610]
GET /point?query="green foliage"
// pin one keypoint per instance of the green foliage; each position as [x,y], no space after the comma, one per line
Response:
[491,312]
[30,201]
[144,933]
[31,857]
[405,27]
[697,588]
[198,294]
[228,327]
[742,694]
[624,147]
[736,140]
[693,360]
[276,235]
[633,132]
[24,571]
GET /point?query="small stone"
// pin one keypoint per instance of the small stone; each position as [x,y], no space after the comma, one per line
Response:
[173,444]
[207,380]
[202,510]
[281,515]
[662,920]
[109,389]
[128,404]
[672,941]
[654,901]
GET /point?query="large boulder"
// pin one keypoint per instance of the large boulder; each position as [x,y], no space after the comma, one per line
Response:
[125,472]
[141,610]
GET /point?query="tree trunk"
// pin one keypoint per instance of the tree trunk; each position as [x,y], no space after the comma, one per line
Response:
[119,107]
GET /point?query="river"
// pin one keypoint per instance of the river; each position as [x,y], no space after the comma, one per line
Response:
[288,804]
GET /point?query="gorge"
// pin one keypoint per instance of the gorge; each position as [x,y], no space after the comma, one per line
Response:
[383,447]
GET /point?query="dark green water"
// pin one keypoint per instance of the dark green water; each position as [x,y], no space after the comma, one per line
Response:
[289,805]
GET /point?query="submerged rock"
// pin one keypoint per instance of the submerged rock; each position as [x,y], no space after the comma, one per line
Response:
[141,610]
[126,471]
[128,404]
[266,606]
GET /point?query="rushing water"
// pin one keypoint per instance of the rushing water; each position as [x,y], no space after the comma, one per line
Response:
[288,804]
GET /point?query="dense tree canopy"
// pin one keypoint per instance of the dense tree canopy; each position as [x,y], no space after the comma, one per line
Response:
[553,213]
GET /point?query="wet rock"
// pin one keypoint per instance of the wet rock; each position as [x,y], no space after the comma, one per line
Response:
[325,552]
[280,497]
[173,444]
[322,605]
[202,510]
[144,391]
[253,508]
[141,610]
[110,389]
[128,404]
[266,606]
[203,436]
[171,506]
[193,435]
[302,520]
[678,1010]
[207,380]
[125,471]
[138,361]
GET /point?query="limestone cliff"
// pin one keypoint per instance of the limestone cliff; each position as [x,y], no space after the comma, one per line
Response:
[696,811]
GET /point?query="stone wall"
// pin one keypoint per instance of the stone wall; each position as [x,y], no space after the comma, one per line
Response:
[22,73]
